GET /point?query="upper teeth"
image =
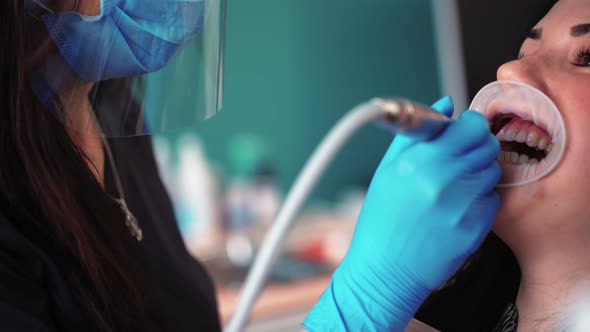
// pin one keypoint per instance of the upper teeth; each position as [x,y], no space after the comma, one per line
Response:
[525,132]
[522,131]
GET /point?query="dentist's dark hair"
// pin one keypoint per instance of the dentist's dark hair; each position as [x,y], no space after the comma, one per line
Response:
[49,193]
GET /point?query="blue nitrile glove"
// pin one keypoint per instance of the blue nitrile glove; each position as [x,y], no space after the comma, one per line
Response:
[429,206]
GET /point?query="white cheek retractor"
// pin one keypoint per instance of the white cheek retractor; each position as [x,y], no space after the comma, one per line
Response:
[506,99]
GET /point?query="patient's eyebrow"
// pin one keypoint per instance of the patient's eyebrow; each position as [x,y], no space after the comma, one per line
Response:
[580,30]
[535,34]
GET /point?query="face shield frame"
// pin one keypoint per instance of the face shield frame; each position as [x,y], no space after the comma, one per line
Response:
[188,89]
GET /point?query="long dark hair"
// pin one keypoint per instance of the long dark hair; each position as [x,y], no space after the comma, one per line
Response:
[44,173]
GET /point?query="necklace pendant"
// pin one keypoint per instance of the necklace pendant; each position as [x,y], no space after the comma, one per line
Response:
[131,221]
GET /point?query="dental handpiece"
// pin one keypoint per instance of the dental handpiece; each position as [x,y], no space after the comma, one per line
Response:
[396,115]
[411,119]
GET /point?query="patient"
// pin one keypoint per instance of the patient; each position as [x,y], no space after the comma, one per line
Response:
[547,224]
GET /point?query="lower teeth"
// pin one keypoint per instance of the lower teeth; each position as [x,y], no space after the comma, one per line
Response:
[516,158]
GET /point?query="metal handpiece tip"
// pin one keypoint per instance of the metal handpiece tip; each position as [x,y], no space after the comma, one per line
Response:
[412,119]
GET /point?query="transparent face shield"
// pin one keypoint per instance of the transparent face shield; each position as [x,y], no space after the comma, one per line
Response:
[529,127]
[134,67]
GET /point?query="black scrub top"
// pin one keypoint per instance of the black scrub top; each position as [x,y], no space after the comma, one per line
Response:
[35,297]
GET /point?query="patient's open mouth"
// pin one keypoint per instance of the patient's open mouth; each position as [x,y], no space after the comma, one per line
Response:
[528,126]
[522,141]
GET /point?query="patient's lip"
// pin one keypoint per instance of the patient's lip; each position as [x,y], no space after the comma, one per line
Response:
[519,109]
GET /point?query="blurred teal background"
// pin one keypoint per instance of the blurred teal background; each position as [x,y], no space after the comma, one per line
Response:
[294,67]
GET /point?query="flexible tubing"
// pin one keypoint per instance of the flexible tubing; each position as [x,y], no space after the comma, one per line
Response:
[305,182]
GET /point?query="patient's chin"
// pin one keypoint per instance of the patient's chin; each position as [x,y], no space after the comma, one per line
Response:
[514,212]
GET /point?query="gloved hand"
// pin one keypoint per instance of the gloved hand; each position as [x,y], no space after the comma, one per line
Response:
[429,206]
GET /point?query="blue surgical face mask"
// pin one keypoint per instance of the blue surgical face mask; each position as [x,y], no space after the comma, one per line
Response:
[128,38]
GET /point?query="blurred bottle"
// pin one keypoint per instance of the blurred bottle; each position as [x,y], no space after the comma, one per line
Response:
[266,197]
[198,208]
[251,198]
[194,191]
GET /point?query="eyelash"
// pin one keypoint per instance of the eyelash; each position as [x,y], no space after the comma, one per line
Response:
[582,58]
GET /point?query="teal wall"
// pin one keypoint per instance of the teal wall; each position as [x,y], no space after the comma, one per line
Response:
[294,67]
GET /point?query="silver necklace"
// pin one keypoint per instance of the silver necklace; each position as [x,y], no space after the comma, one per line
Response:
[130,220]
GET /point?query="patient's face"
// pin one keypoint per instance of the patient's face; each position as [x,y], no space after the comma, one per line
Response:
[556,60]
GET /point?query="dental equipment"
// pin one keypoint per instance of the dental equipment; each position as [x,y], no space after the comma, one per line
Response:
[397,115]
[529,127]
